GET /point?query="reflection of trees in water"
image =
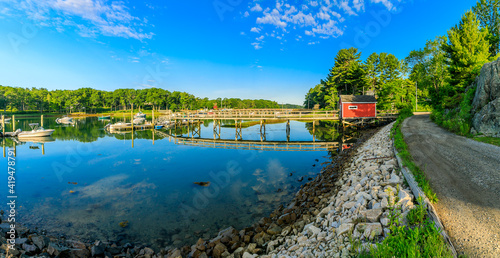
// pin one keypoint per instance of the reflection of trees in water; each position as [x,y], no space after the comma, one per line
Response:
[325,130]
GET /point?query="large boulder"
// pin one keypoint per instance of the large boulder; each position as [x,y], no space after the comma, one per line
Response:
[486,103]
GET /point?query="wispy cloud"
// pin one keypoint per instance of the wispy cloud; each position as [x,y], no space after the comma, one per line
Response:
[319,18]
[89,18]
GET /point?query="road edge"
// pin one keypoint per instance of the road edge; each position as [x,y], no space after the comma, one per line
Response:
[418,192]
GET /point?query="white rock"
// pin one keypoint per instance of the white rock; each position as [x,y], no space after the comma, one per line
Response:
[344,228]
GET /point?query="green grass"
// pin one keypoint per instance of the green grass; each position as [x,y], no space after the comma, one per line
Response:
[406,157]
[420,239]
[489,140]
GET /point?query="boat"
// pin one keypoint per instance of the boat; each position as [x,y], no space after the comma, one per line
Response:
[64,120]
[139,120]
[36,131]
[7,120]
[140,115]
[104,117]
[157,127]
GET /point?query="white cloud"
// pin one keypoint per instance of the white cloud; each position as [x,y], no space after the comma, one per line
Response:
[89,17]
[386,3]
[255,29]
[246,14]
[256,8]
[315,18]
[359,5]
[256,45]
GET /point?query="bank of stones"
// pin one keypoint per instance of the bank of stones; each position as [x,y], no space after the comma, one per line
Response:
[350,198]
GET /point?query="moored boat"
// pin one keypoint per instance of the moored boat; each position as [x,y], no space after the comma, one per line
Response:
[36,131]
[140,115]
[104,117]
[64,120]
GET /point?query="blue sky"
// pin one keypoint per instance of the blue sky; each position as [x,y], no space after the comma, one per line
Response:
[270,49]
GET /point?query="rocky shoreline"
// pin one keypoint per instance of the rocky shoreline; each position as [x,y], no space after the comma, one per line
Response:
[349,198]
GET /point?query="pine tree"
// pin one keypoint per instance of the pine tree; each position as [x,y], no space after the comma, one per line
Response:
[487,12]
[348,75]
[467,50]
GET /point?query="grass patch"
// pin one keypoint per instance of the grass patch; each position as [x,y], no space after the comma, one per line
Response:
[406,157]
[420,239]
[489,140]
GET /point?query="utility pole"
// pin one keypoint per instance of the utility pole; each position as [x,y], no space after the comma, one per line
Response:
[416,99]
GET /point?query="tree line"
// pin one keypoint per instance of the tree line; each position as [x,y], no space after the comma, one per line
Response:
[16,99]
[439,73]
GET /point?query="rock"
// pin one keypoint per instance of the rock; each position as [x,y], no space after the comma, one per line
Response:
[247,255]
[372,215]
[371,230]
[487,120]
[486,103]
[218,250]
[80,253]
[97,250]
[238,253]
[40,241]
[384,203]
[344,228]
[311,229]
[55,250]
[21,241]
[349,205]
[385,222]
[274,230]
[395,179]
[176,254]
[30,249]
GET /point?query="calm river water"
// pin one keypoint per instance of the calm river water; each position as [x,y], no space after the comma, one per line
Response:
[89,181]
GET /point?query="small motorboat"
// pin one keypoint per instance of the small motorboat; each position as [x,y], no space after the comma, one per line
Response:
[64,120]
[104,117]
[158,127]
[36,131]
[140,115]
[7,120]
[139,120]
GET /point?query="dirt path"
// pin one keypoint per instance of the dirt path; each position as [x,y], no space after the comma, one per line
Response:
[465,175]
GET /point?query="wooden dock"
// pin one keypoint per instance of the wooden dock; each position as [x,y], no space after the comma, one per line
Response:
[257,145]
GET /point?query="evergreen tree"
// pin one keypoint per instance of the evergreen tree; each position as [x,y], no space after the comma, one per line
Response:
[487,12]
[467,50]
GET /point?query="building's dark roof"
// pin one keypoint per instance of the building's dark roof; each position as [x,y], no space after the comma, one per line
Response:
[358,98]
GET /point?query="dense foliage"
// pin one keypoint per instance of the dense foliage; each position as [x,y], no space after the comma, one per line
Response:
[441,73]
[89,100]
[382,74]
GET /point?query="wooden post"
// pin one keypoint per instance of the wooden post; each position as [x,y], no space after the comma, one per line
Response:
[3,126]
[15,150]
[42,121]
[3,141]
[13,123]
[153,130]
[43,149]
[153,116]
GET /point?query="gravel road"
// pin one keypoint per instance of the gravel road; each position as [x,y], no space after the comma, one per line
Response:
[465,175]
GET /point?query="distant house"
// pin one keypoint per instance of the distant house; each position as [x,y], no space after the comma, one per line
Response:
[358,106]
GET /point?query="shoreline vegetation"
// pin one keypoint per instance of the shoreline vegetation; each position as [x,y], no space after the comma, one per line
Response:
[88,100]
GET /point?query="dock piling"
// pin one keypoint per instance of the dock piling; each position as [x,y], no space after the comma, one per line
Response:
[13,123]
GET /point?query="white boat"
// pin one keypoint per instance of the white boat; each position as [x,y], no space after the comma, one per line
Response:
[64,120]
[139,120]
[140,115]
[7,120]
[36,131]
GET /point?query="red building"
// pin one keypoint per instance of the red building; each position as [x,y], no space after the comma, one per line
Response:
[358,106]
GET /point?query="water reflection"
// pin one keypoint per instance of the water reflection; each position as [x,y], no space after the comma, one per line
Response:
[89,181]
